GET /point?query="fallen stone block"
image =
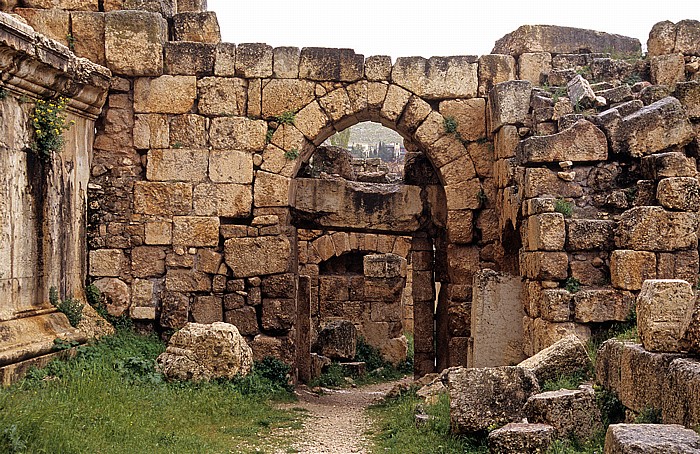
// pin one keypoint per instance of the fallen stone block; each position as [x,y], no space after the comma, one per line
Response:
[483,397]
[337,340]
[565,357]
[580,92]
[521,438]
[650,439]
[581,142]
[205,352]
[663,307]
[688,93]
[667,38]
[572,413]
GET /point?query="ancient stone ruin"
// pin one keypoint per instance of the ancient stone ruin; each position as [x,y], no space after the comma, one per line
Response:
[547,187]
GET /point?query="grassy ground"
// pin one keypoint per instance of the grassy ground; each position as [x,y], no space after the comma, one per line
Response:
[109,400]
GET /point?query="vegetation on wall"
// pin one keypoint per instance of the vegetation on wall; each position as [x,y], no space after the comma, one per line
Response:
[49,121]
[72,308]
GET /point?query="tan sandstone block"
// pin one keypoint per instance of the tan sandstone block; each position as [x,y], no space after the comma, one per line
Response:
[88,30]
[196,27]
[663,307]
[337,106]
[162,198]
[629,269]
[438,77]
[188,131]
[238,133]
[494,69]
[159,232]
[378,67]
[271,190]
[195,231]
[655,229]
[177,165]
[107,263]
[394,103]
[460,226]
[151,131]
[165,94]
[415,112]
[469,114]
[189,58]
[134,42]
[679,193]
[286,95]
[225,200]
[667,70]
[312,122]
[225,64]
[257,256]
[285,62]
[254,60]
[545,266]
[535,67]
[545,232]
[230,166]
[50,22]
[322,64]
[219,96]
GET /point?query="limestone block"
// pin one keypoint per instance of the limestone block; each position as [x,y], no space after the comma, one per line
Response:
[162,198]
[662,38]
[254,60]
[207,309]
[50,22]
[671,164]
[691,332]
[159,232]
[597,306]
[545,232]
[208,261]
[230,166]
[688,93]
[245,319]
[667,70]
[655,229]
[271,190]
[174,310]
[142,294]
[165,94]
[225,200]
[653,128]
[184,280]
[580,92]
[460,226]
[197,27]
[688,37]
[415,112]
[312,122]
[572,413]
[195,231]
[564,357]
[494,69]
[680,404]
[164,7]
[438,77]
[343,65]
[206,352]
[581,142]
[195,6]
[679,193]
[521,437]
[678,265]
[249,257]
[564,40]
[534,67]
[555,305]
[88,31]
[116,294]
[219,96]
[177,165]
[545,266]
[189,59]
[509,103]
[188,131]
[376,93]
[663,306]
[547,333]
[147,261]
[73,5]
[462,262]
[384,266]
[108,263]
[238,133]
[337,340]
[378,67]
[151,131]
[590,234]
[496,315]
[394,103]
[134,42]
[650,439]
[278,314]
[583,269]
[285,62]
[225,64]
[480,398]
[281,96]
[142,313]
[470,116]
[539,182]
[629,269]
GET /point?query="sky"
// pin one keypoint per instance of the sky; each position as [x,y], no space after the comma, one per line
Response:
[430,28]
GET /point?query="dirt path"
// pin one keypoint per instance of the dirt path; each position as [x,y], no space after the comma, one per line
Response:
[337,421]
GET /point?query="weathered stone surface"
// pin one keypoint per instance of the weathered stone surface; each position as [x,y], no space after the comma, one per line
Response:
[494,69]
[50,22]
[437,77]
[249,257]
[195,231]
[667,70]
[222,96]
[385,266]
[655,229]
[542,333]
[653,128]
[187,58]
[151,131]
[690,341]
[205,352]
[225,64]
[254,60]
[678,265]
[147,261]
[227,200]
[680,404]
[378,67]
[245,319]
[469,114]
[238,133]
[116,295]
[671,164]
[480,398]
[196,6]
[663,307]
[521,438]
[342,65]
[590,234]
[545,232]
[337,340]
[688,93]
[667,38]
[165,94]
[546,266]
[107,262]
[629,269]
[597,306]
[230,166]
[199,27]
[177,165]
[134,42]
[162,198]
[207,309]
[334,161]
[679,193]
[565,357]
[285,62]
[342,203]
[88,30]
[572,413]
[534,67]
[509,103]
[564,40]
[650,439]
[581,142]
[553,305]
[277,314]
[580,92]
[281,96]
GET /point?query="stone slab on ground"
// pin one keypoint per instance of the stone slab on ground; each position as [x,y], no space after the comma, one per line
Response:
[651,439]
[565,357]
[521,438]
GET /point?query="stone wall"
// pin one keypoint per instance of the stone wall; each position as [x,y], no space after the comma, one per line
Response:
[44,200]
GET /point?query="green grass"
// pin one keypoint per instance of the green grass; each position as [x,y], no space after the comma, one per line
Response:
[109,399]
[572,381]
[593,446]
[395,429]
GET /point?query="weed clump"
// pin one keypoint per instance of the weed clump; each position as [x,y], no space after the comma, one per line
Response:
[72,308]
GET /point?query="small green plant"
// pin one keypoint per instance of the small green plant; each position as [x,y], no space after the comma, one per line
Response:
[564,207]
[63,344]
[72,308]
[3,93]
[611,407]
[333,377]
[71,42]
[12,441]
[570,381]
[49,122]
[286,118]
[177,145]
[649,415]
[572,285]
[268,135]
[450,125]
[94,299]
[292,154]
[274,370]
